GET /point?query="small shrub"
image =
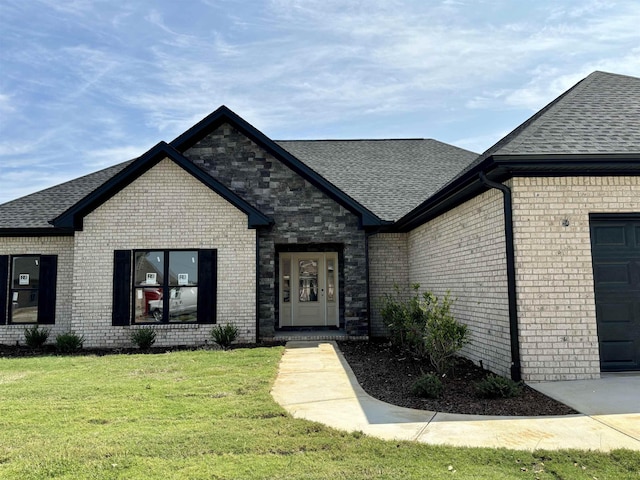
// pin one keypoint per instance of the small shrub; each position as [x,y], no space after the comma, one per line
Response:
[69,342]
[144,337]
[495,386]
[428,386]
[424,326]
[224,335]
[404,316]
[34,337]
[444,335]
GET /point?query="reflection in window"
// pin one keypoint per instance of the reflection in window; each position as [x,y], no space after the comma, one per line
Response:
[25,281]
[166,286]
[331,282]
[286,280]
[308,280]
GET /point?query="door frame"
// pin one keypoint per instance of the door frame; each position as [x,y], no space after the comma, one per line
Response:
[609,219]
[309,250]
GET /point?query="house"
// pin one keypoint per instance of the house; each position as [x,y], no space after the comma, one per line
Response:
[538,239]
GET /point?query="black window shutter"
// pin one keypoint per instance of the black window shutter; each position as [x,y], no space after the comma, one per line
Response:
[207,285]
[121,312]
[47,289]
[4,284]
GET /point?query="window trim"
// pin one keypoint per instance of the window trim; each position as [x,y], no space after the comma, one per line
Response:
[124,288]
[47,286]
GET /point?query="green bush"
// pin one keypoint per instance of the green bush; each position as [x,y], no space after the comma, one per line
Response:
[34,337]
[495,386]
[224,335]
[144,337]
[444,336]
[405,318]
[69,342]
[424,326]
[428,385]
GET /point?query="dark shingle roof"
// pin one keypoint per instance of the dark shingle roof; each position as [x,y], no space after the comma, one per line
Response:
[389,177]
[599,115]
[35,210]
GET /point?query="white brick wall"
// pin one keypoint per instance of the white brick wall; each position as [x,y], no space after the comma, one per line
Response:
[556,304]
[463,251]
[63,248]
[388,266]
[166,208]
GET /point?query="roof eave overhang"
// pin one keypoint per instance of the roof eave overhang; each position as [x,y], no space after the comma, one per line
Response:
[36,232]
[499,168]
[223,115]
[72,219]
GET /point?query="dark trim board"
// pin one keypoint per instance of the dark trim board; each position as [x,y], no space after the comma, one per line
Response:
[73,217]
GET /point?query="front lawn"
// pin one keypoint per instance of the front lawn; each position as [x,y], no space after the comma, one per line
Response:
[209,414]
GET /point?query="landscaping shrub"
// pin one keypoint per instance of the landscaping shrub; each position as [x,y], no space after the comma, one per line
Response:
[144,337]
[428,386]
[35,337]
[424,326]
[69,342]
[444,336]
[495,386]
[404,316]
[224,335]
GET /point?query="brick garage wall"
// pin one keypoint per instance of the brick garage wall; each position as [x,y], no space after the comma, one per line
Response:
[303,216]
[165,208]
[463,251]
[556,303]
[388,266]
[63,248]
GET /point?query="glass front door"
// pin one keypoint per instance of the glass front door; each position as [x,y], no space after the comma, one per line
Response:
[308,289]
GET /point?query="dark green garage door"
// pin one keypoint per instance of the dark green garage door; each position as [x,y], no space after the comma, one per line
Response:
[615,247]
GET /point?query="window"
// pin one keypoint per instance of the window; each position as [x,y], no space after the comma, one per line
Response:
[30,289]
[164,286]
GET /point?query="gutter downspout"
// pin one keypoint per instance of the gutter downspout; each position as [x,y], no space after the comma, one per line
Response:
[516,373]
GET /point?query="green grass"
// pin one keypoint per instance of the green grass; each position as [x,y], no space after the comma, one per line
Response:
[209,414]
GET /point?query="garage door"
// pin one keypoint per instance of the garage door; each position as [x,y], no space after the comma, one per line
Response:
[615,247]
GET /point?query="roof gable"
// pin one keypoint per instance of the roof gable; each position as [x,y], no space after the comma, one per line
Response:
[225,115]
[72,218]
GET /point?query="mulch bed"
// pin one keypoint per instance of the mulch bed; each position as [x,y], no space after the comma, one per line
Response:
[388,374]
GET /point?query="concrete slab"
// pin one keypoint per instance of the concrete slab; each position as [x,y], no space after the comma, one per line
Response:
[611,394]
[525,433]
[316,383]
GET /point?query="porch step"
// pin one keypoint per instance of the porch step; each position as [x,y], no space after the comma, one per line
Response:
[336,335]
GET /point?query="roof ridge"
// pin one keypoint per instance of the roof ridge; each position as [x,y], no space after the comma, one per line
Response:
[357,139]
[530,123]
[543,116]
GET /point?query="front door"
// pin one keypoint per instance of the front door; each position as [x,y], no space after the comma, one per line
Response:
[308,289]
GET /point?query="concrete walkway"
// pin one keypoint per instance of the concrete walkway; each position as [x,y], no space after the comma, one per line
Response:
[314,382]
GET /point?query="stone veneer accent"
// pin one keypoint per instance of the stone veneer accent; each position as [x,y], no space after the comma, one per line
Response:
[463,251]
[165,208]
[388,267]
[63,248]
[556,302]
[304,216]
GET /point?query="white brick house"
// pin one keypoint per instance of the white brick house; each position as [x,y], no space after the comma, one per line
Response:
[538,239]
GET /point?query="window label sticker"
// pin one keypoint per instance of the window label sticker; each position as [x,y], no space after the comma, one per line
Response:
[183,279]
[15,296]
[151,278]
[23,279]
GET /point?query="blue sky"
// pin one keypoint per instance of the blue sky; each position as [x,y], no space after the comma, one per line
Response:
[85,84]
